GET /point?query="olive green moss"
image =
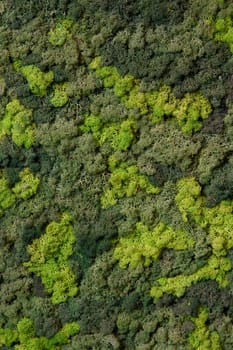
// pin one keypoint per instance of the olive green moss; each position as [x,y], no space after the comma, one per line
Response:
[153,115]
[7,198]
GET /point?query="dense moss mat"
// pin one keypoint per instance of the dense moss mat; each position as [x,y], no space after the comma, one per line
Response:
[116,169]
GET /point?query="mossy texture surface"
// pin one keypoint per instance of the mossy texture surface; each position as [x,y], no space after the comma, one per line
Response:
[116,163]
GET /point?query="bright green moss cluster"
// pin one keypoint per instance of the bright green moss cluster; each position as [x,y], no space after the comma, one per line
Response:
[38,81]
[118,135]
[24,337]
[202,338]
[215,269]
[143,246]
[24,189]
[125,181]
[60,96]
[17,123]
[218,223]
[50,259]
[27,186]
[224,31]
[188,111]
[61,32]
[191,110]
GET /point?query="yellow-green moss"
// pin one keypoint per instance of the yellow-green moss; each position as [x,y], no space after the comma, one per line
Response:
[17,123]
[224,31]
[119,135]
[60,96]
[27,186]
[62,31]
[24,337]
[38,81]
[215,269]
[218,223]
[50,259]
[202,338]
[143,246]
[24,189]
[125,180]
[188,111]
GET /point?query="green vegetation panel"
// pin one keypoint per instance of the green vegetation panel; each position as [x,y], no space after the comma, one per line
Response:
[50,253]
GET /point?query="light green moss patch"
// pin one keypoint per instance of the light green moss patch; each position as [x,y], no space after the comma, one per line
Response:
[125,180]
[17,123]
[50,259]
[143,246]
[58,35]
[27,186]
[60,96]
[188,111]
[202,338]
[24,337]
[38,81]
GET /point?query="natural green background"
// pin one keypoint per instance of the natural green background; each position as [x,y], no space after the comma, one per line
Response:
[116,175]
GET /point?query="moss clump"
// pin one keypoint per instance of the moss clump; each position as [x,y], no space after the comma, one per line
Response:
[215,269]
[202,338]
[60,96]
[24,189]
[50,259]
[24,337]
[17,123]
[218,223]
[119,135]
[38,81]
[188,111]
[61,32]
[224,31]
[125,180]
[143,246]
[27,186]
